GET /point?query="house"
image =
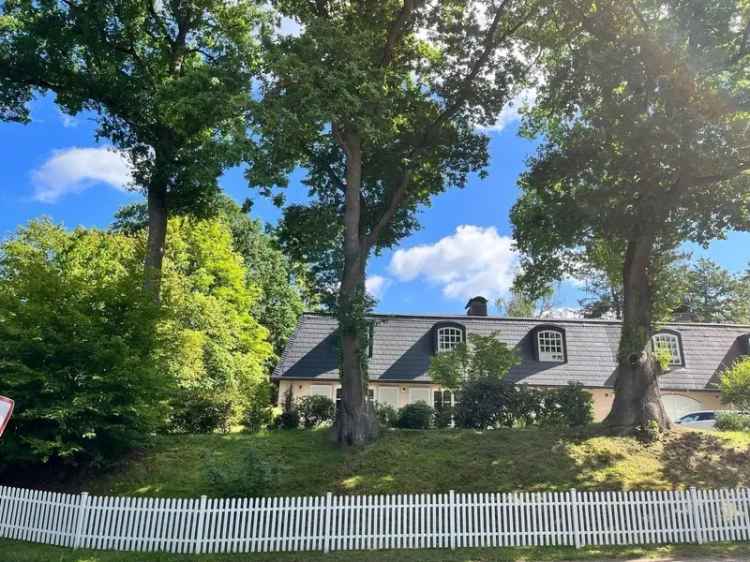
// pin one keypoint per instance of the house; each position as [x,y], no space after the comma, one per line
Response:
[552,352]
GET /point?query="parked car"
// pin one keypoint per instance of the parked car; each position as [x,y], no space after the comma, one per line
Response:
[705,419]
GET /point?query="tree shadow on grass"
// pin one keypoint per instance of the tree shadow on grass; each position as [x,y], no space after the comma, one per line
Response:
[703,460]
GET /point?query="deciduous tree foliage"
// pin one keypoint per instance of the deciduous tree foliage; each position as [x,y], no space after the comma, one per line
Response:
[380,103]
[214,349]
[77,343]
[169,81]
[644,109]
[95,366]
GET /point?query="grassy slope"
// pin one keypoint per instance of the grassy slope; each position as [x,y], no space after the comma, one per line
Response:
[21,552]
[434,461]
[437,461]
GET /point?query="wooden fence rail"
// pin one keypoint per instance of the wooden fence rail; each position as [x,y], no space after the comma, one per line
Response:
[330,522]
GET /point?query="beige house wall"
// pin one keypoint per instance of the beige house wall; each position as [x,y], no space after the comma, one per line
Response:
[408,393]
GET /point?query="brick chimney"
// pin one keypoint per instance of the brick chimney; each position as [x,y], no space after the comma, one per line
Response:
[476,306]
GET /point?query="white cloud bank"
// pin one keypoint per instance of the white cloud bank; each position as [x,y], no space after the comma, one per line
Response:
[473,261]
[376,285]
[75,169]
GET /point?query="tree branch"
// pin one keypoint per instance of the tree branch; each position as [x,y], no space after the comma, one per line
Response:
[393,205]
[397,28]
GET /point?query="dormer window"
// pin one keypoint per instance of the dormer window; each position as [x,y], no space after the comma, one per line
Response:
[447,336]
[670,342]
[549,344]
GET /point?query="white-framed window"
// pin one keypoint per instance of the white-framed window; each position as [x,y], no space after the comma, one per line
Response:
[670,342]
[419,394]
[389,395]
[321,390]
[448,338]
[444,399]
[550,345]
[370,395]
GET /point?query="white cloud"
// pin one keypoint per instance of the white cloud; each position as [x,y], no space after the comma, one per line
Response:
[562,313]
[67,120]
[511,112]
[75,169]
[473,261]
[376,285]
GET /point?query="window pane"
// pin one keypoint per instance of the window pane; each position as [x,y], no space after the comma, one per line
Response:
[671,343]
[448,338]
[550,345]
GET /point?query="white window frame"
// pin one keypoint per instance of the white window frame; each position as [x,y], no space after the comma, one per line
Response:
[672,343]
[551,337]
[412,395]
[321,390]
[397,405]
[449,333]
[442,392]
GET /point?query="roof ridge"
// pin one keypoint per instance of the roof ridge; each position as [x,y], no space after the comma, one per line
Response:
[514,319]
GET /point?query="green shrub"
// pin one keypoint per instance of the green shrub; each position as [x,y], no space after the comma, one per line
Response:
[315,410]
[483,404]
[416,416]
[386,414]
[735,384]
[197,414]
[569,406]
[259,413]
[443,416]
[732,421]
[251,477]
[289,417]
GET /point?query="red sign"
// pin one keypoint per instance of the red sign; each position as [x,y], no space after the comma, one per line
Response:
[6,409]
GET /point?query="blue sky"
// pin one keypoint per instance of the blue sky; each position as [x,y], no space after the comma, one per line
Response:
[55,167]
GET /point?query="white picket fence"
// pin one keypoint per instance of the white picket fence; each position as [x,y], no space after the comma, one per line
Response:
[374,522]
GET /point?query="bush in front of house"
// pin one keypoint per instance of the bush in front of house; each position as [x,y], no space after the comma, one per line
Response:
[735,384]
[488,402]
[567,406]
[289,417]
[443,416]
[251,477]
[418,415]
[386,414]
[483,403]
[732,421]
[315,410]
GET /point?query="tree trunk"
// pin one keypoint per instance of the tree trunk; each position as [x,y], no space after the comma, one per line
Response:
[355,420]
[637,397]
[157,235]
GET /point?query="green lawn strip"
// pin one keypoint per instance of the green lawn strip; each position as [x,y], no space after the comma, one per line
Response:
[24,552]
[437,461]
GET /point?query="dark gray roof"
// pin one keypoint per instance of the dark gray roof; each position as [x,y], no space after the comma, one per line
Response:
[402,350]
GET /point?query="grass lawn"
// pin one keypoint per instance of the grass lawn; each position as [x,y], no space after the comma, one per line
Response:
[21,552]
[421,462]
[433,462]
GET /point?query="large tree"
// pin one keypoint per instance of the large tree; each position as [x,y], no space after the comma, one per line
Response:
[381,103]
[644,111]
[169,82]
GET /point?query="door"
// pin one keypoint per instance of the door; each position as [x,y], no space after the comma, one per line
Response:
[420,394]
[389,395]
[677,405]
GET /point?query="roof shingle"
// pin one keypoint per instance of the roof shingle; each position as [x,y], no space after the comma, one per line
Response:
[402,350]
